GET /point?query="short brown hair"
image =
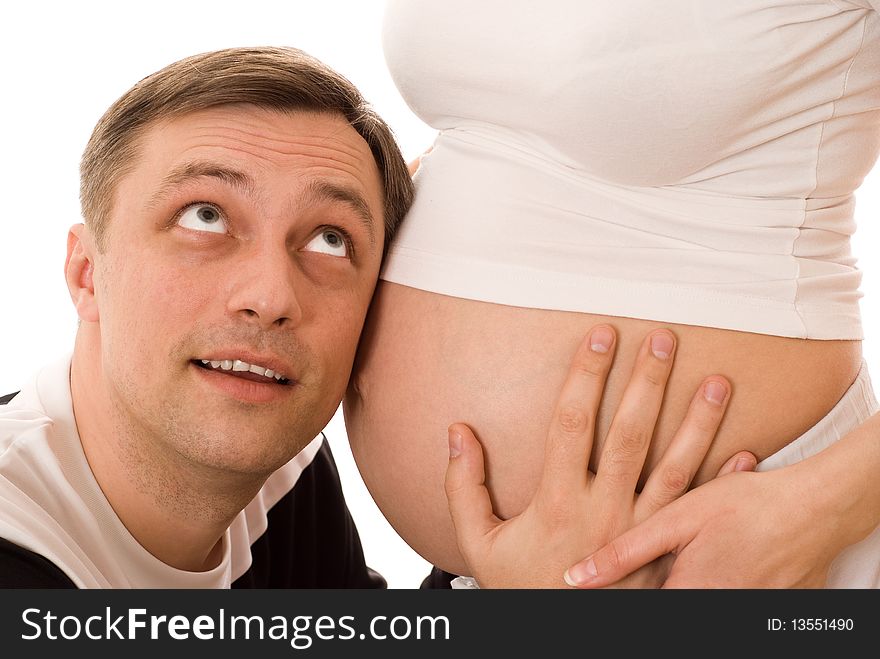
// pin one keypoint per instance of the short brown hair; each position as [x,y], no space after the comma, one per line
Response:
[282,79]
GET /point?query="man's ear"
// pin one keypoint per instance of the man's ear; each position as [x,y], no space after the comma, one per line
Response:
[79,271]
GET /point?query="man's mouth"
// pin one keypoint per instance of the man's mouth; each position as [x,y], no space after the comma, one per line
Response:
[243,369]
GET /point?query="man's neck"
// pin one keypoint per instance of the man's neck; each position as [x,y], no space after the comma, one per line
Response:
[176,510]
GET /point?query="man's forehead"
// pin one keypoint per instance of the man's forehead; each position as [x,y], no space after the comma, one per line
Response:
[240,144]
[265,133]
[247,152]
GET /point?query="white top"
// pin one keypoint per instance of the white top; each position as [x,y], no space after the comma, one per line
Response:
[51,504]
[687,161]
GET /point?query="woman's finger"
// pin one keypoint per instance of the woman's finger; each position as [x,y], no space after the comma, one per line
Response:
[742,461]
[632,427]
[653,538]
[570,438]
[466,493]
[682,458]
[415,163]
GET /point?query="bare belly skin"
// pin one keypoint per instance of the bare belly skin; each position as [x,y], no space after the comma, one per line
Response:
[427,360]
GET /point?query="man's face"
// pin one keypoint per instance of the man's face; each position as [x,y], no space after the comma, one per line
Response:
[243,240]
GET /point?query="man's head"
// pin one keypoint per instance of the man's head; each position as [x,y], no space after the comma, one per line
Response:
[237,205]
[281,79]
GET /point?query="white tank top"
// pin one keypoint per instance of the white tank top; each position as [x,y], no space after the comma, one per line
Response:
[687,161]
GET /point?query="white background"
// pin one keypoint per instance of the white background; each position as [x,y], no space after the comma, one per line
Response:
[65,63]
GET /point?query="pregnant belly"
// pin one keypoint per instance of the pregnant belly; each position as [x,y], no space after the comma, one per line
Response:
[427,360]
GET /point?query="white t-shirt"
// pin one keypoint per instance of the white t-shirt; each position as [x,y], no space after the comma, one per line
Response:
[679,161]
[51,504]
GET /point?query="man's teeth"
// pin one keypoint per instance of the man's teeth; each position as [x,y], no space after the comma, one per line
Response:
[238,365]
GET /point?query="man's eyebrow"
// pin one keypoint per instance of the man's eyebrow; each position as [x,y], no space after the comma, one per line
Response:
[317,191]
[199,169]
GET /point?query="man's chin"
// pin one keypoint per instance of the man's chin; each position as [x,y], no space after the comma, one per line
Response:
[243,448]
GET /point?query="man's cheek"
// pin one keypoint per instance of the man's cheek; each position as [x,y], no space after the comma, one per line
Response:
[182,296]
[339,347]
[350,328]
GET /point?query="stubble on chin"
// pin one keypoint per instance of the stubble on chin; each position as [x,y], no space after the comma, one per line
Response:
[173,422]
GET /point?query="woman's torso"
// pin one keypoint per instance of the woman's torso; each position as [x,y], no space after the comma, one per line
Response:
[684,164]
[427,360]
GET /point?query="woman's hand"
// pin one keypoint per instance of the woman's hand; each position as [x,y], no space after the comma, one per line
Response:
[775,529]
[415,163]
[732,532]
[574,509]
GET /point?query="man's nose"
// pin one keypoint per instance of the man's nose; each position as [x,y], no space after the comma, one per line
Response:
[264,289]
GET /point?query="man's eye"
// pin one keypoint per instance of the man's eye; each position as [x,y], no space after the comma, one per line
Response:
[328,241]
[203,217]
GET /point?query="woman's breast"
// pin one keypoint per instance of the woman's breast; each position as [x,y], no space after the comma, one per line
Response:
[427,360]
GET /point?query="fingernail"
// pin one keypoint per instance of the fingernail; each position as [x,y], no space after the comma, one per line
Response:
[454,443]
[582,573]
[600,339]
[744,464]
[661,345]
[715,392]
